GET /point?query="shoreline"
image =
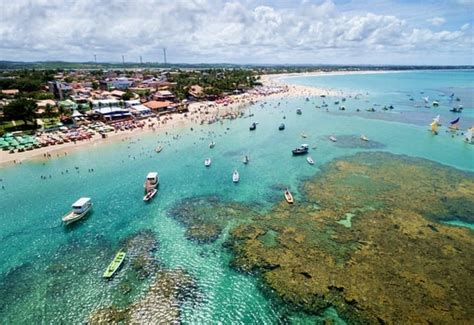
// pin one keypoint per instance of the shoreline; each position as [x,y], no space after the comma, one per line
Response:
[199,112]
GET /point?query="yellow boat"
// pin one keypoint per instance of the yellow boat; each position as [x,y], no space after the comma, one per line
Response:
[114,265]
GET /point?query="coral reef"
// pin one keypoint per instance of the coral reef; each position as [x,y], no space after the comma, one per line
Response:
[391,261]
[160,304]
[206,217]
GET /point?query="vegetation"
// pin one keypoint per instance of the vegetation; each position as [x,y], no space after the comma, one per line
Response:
[21,109]
[26,80]
[214,81]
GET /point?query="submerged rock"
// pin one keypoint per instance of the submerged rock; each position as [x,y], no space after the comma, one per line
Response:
[206,217]
[160,304]
[394,264]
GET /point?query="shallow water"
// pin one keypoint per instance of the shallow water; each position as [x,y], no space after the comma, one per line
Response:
[33,238]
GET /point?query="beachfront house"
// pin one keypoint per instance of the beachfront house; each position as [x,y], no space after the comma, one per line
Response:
[195,92]
[160,107]
[112,113]
[164,95]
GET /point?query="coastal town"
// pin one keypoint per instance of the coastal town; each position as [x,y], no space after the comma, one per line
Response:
[40,109]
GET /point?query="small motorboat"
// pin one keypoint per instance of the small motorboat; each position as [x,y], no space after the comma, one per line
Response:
[281,127]
[212,144]
[336,103]
[364,138]
[235,176]
[253,126]
[158,149]
[299,111]
[435,103]
[456,109]
[150,194]
[301,150]
[332,138]
[310,160]
[114,265]
[342,108]
[79,209]
[246,160]
[288,196]
[303,135]
[371,109]
[207,162]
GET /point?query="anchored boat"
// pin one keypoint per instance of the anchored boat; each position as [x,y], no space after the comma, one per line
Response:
[301,150]
[114,265]
[235,176]
[79,209]
[310,160]
[207,162]
[281,127]
[150,194]
[288,196]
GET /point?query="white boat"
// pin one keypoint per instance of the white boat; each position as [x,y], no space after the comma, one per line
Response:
[158,149]
[303,135]
[235,176]
[207,162]
[246,160]
[150,194]
[151,182]
[212,144]
[364,138]
[79,209]
[332,138]
[310,160]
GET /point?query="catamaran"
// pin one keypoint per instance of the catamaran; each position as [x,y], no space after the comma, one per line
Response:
[235,176]
[114,265]
[79,209]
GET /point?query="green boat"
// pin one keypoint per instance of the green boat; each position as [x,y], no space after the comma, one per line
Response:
[113,267]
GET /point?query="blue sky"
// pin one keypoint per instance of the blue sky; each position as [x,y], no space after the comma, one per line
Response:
[240,31]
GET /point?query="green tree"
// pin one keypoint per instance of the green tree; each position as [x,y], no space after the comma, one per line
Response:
[21,109]
[127,96]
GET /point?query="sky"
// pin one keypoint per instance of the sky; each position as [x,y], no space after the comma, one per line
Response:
[376,32]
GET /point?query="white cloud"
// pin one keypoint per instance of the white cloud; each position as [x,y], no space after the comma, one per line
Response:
[436,21]
[212,31]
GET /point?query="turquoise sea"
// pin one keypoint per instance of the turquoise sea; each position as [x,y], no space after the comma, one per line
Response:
[32,238]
